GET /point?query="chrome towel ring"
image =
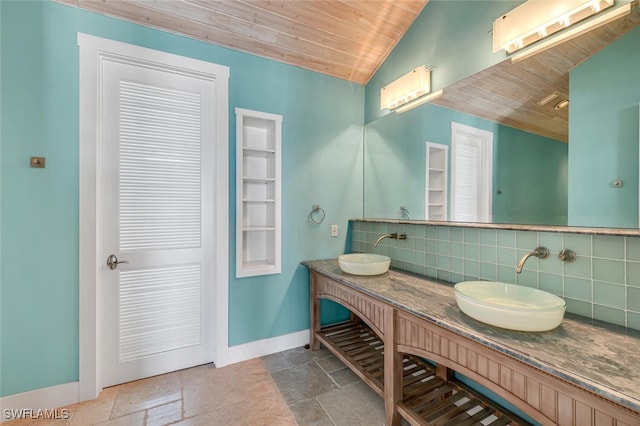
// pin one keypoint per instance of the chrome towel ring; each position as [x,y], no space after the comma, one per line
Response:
[317,214]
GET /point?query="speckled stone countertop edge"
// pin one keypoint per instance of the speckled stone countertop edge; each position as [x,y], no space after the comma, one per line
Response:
[509,226]
[477,336]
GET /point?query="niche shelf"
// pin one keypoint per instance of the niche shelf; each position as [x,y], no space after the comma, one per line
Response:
[436,182]
[258,193]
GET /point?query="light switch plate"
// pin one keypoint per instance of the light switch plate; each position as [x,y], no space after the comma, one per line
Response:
[38,162]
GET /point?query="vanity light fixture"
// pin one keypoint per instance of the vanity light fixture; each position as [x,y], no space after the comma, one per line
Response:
[548,98]
[418,102]
[410,86]
[573,32]
[537,19]
[561,105]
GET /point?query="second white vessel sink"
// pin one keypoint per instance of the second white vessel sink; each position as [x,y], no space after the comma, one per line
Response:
[510,306]
[364,263]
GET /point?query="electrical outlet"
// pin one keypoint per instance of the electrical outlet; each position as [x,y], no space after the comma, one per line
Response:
[334,230]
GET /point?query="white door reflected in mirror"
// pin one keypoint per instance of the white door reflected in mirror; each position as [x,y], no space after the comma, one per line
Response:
[471,173]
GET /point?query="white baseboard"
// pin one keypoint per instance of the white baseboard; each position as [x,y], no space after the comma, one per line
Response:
[267,346]
[40,399]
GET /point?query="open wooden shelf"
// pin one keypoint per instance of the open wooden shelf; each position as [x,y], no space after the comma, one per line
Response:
[427,398]
[357,346]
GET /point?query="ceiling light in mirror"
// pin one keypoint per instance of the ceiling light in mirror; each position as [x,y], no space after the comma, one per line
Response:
[407,88]
[536,19]
[574,32]
[548,98]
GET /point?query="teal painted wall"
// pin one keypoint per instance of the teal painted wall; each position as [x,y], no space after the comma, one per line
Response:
[603,136]
[395,167]
[39,206]
[452,36]
[322,164]
[531,174]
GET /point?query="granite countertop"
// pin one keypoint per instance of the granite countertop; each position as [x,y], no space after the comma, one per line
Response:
[601,357]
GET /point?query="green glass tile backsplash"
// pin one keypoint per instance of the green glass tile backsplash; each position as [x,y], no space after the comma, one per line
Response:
[603,283]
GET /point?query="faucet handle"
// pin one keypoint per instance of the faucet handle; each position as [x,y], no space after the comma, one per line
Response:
[397,236]
[567,255]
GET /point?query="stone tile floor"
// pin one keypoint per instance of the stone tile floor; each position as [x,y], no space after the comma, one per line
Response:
[297,386]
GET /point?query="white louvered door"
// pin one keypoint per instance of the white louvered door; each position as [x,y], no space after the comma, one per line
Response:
[157,171]
[467,180]
[471,174]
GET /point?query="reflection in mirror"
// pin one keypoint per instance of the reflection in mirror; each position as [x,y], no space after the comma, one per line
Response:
[545,171]
[529,173]
[471,174]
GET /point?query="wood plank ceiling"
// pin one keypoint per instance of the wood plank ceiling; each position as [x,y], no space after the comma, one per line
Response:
[511,93]
[350,39]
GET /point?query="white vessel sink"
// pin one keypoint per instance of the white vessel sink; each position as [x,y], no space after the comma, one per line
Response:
[364,263]
[510,306]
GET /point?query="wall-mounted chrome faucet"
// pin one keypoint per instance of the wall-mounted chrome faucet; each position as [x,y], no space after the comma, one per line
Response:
[394,236]
[404,212]
[539,252]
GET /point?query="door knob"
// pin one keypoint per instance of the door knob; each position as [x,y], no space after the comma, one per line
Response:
[113,261]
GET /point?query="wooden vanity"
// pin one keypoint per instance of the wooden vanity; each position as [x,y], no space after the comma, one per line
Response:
[582,373]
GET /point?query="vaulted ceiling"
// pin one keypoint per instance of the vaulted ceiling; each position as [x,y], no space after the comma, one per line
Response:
[350,39]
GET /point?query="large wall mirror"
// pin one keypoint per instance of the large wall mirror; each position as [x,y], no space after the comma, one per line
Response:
[575,166]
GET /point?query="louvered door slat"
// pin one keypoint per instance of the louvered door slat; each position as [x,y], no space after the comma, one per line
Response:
[472,177]
[160,162]
[466,180]
[159,310]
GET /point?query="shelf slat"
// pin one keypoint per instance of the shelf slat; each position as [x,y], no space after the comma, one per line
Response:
[258,264]
[258,200]
[428,399]
[249,179]
[258,228]
[255,152]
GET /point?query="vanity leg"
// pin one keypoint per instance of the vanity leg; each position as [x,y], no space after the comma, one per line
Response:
[393,372]
[446,374]
[314,343]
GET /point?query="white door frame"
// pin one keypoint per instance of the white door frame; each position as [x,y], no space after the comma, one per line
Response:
[93,51]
